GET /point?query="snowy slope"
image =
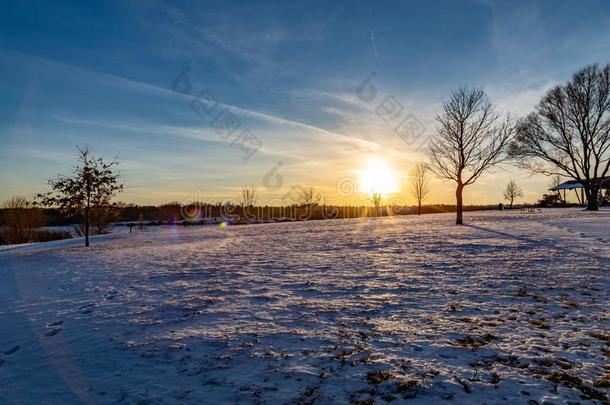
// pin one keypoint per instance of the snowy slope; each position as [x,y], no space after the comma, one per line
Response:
[508,309]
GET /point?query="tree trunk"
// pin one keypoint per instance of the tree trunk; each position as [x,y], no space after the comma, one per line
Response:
[419,208]
[592,200]
[511,204]
[87,215]
[460,205]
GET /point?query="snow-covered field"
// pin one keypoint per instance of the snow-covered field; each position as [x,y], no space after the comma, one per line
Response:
[512,308]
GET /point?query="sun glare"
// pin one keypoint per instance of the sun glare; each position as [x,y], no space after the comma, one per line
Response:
[378,177]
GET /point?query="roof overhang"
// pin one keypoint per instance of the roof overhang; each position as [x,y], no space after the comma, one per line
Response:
[574,184]
[568,185]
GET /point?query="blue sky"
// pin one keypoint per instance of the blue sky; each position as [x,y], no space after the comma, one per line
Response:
[104,73]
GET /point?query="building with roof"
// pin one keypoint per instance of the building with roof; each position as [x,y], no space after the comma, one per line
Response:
[579,190]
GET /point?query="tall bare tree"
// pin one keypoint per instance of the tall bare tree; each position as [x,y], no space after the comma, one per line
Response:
[90,187]
[376,199]
[471,138]
[21,219]
[419,184]
[569,133]
[512,192]
[248,196]
[248,201]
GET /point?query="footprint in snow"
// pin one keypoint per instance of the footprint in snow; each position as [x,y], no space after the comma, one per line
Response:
[12,350]
[86,309]
[110,294]
[1,362]
[53,332]
[56,323]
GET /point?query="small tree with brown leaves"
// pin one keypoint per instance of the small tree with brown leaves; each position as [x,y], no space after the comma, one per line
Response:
[419,184]
[90,188]
[471,139]
[512,192]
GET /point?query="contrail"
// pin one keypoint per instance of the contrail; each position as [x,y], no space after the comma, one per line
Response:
[142,87]
[374,44]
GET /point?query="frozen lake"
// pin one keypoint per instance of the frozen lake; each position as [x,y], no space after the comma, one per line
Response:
[510,308]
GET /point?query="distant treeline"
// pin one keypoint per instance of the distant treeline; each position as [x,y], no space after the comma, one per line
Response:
[176,213]
[19,225]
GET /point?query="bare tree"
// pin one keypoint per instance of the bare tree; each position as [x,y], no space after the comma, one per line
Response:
[555,181]
[90,187]
[419,184]
[309,196]
[248,196]
[21,219]
[512,192]
[248,201]
[471,139]
[376,199]
[569,133]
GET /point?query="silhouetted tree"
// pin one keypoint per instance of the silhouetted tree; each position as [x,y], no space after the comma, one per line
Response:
[248,196]
[550,200]
[569,133]
[471,138]
[309,196]
[555,181]
[21,219]
[90,187]
[419,184]
[512,192]
[248,201]
[376,199]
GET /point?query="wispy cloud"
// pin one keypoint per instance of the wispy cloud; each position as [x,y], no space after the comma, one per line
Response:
[48,67]
[252,35]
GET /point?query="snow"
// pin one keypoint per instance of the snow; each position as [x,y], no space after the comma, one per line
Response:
[46,246]
[510,308]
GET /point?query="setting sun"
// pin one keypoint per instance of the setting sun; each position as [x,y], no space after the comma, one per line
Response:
[378,177]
